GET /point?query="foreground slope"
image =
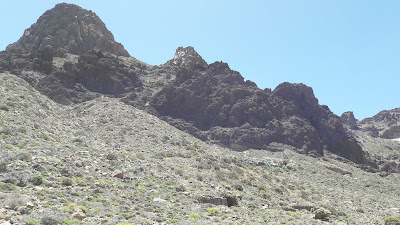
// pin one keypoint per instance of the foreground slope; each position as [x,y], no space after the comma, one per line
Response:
[58,161]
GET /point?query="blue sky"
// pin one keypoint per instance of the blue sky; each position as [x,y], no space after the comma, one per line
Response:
[347,51]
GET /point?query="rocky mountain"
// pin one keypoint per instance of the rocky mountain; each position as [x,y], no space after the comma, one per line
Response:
[68,28]
[88,133]
[69,55]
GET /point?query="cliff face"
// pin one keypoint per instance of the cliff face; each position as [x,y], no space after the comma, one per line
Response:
[70,56]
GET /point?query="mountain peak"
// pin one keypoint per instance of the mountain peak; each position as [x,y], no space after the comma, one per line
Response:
[68,28]
[188,57]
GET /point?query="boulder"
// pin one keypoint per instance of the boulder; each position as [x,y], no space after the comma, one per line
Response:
[118,174]
[78,214]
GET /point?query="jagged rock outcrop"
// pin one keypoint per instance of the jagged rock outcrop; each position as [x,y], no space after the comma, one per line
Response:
[236,113]
[68,28]
[348,119]
[385,124]
[188,57]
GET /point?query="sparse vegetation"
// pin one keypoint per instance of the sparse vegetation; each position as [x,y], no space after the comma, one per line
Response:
[66,181]
[4,108]
[391,220]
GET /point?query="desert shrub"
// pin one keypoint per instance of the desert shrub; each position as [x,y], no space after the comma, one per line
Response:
[111,156]
[25,156]
[71,221]
[71,207]
[140,156]
[37,179]
[31,222]
[4,108]
[194,216]
[14,201]
[238,187]
[180,188]
[7,187]
[6,131]
[3,167]
[49,221]
[66,181]
[391,220]
[252,205]
[213,212]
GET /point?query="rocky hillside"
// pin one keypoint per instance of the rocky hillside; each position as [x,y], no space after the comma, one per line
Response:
[106,162]
[91,135]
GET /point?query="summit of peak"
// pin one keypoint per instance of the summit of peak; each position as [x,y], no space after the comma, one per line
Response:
[188,57]
[68,28]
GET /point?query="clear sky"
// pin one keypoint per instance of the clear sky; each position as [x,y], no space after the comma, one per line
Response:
[347,51]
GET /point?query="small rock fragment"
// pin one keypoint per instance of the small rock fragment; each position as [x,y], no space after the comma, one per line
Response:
[30,205]
[118,174]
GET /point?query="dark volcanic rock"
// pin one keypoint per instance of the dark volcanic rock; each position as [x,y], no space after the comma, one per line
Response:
[102,72]
[68,29]
[236,113]
[95,72]
[348,119]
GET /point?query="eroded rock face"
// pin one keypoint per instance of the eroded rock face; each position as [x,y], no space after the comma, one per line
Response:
[348,119]
[385,124]
[68,28]
[231,111]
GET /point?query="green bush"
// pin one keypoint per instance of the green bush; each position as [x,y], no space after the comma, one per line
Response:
[25,156]
[7,187]
[31,222]
[70,208]
[66,181]
[37,179]
[213,212]
[49,221]
[71,221]
[194,216]
[140,156]
[391,220]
